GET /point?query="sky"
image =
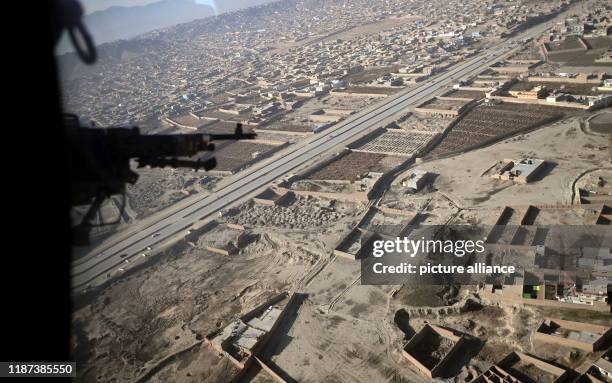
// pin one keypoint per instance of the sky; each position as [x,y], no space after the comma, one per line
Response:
[98,5]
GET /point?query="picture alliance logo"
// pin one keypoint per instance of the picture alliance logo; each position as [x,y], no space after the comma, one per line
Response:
[429,268]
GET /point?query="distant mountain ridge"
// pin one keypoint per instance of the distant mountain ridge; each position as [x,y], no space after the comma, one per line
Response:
[120,22]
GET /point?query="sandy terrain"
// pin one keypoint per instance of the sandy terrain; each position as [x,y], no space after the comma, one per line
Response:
[159,188]
[556,144]
[163,309]
[150,324]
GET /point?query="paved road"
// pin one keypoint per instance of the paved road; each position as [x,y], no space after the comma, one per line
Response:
[92,266]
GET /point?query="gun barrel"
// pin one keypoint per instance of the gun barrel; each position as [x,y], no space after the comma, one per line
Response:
[167,145]
[232,136]
[206,164]
[109,150]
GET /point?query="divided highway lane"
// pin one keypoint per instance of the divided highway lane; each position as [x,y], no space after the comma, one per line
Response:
[85,271]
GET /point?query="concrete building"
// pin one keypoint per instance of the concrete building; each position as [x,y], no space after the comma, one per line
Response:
[521,171]
[415,180]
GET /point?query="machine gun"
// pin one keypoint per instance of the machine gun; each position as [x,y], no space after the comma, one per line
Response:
[101,161]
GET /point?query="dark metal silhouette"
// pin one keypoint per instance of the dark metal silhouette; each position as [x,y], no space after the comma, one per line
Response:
[101,158]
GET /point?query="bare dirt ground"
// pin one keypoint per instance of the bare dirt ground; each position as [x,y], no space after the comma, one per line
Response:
[602,123]
[159,188]
[597,46]
[339,304]
[159,311]
[531,51]
[557,143]
[150,323]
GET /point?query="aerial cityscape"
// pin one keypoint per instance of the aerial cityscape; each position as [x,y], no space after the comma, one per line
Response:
[375,120]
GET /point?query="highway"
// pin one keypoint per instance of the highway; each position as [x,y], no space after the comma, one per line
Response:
[94,265]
